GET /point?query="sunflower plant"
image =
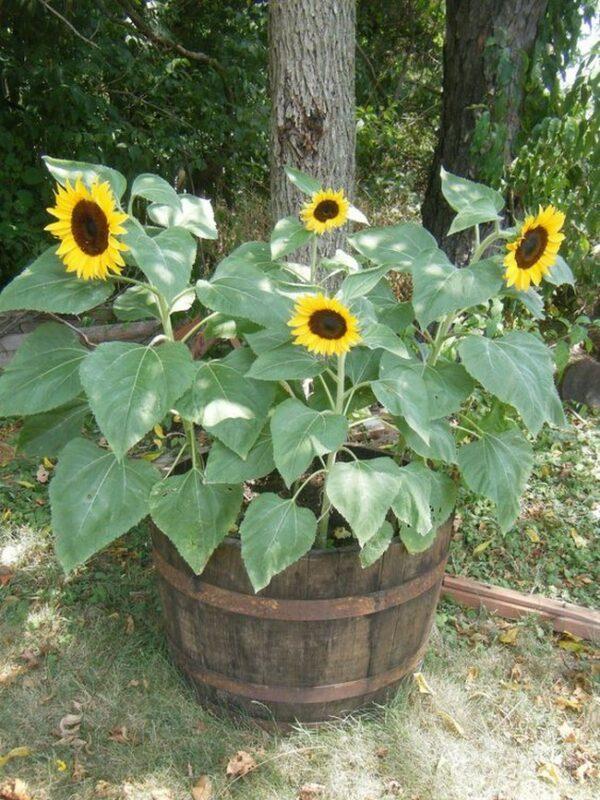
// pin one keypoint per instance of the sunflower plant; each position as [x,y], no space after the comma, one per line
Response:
[458,376]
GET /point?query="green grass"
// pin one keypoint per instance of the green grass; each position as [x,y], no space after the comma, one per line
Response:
[100,655]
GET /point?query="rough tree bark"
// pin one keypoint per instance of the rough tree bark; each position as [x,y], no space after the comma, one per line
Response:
[486,41]
[311,74]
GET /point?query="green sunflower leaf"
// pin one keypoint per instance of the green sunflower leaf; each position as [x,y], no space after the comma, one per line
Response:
[396,246]
[377,545]
[46,434]
[95,499]
[136,303]
[288,235]
[404,393]
[300,433]
[195,214]
[275,533]
[497,466]
[560,273]
[45,285]
[441,447]
[245,292]
[131,387]
[44,372]
[442,500]
[155,188]
[166,260]
[225,466]
[411,504]
[194,516]
[302,181]
[63,170]
[286,362]
[447,383]
[517,368]
[229,404]
[474,202]
[363,492]
[440,288]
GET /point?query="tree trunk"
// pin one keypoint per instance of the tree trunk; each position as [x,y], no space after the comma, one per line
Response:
[311,73]
[486,56]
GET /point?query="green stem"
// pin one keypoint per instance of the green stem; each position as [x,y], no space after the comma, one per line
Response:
[314,257]
[197,326]
[327,392]
[440,337]
[189,429]
[323,525]
[489,240]
[303,484]
[477,236]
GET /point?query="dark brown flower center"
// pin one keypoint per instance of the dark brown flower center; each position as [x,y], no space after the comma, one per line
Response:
[531,248]
[327,324]
[327,209]
[89,227]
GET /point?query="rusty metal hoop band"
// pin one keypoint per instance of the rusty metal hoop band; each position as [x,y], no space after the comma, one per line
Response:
[298,694]
[298,610]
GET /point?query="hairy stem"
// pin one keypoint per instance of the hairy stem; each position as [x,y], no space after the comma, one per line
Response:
[323,525]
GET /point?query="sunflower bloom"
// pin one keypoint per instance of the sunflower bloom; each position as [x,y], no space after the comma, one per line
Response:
[530,256]
[88,224]
[326,210]
[324,325]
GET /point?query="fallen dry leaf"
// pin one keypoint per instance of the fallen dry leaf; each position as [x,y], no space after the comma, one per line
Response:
[6,575]
[105,789]
[119,734]
[393,787]
[422,684]
[240,764]
[547,771]
[532,535]
[382,752]
[579,541]
[16,752]
[472,674]
[509,636]
[450,722]
[566,733]
[129,624]
[311,791]
[14,789]
[202,789]
[482,547]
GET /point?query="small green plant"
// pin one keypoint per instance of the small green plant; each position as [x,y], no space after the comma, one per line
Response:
[447,373]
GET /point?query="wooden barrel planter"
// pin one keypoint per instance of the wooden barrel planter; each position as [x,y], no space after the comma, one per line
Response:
[324,638]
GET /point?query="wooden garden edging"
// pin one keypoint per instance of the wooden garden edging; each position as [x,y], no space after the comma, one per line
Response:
[565,617]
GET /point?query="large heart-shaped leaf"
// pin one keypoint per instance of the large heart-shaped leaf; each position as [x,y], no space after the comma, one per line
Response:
[286,362]
[363,491]
[245,292]
[377,545]
[274,534]
[397,245]
[474,202]
[441,447]
[442,500]
[155,188]
[44,372]
[166,260]
[498,466]
[63,170]
[403,392]
[195,517]
[560,272]
[441,288]
[225,466]
[45,285]
[228,404]
[131,387]
[95,499]
[411,504]
[447,383]
[46,434]
[288,235]
[518,369]
[195,214]
[300,433]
